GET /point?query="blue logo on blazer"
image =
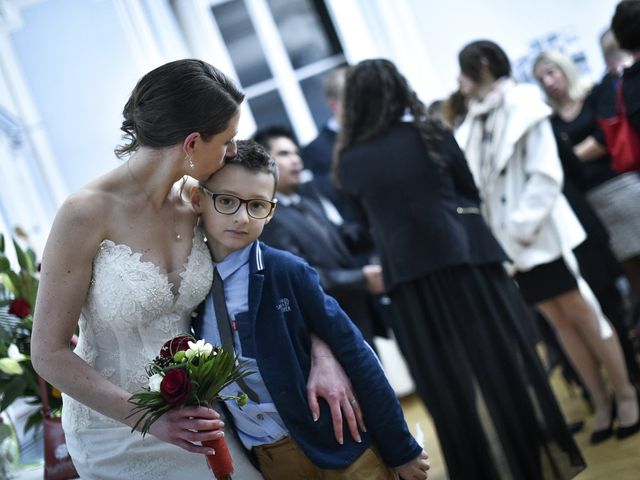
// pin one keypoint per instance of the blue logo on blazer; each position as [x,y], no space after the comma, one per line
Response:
[283,305]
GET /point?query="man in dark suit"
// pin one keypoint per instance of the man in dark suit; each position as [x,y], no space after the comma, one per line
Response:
[301,226]
[318,154]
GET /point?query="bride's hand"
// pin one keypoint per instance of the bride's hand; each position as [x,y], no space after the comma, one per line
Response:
[187,427]
[328,380]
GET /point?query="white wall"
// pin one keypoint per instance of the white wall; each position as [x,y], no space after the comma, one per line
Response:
[446,27]
[80,71]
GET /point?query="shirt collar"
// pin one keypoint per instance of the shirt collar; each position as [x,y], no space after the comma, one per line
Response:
[288,200]
[233,262]
[333,125]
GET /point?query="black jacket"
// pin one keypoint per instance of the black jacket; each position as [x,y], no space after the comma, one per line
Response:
[423,216]
[631,94]
[318,158]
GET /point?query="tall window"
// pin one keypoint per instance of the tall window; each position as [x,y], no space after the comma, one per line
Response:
[281,49]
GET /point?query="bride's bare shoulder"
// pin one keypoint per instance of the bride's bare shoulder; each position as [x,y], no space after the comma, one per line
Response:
[92,205]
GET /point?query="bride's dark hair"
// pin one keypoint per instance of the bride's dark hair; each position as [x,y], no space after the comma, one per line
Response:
[174,100]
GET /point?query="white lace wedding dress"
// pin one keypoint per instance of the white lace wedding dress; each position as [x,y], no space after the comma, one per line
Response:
[129,313]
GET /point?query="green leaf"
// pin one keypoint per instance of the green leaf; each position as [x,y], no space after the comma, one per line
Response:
[1,243]
[34,420]
[13,390]
[14,283]
[5,264]
[29,286]
[23,259]
[6,279]
[32,259]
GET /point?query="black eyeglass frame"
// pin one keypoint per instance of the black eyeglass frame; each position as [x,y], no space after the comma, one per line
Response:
[213,196]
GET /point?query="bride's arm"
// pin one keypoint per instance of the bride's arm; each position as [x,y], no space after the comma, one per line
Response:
[64,281]
[328,380]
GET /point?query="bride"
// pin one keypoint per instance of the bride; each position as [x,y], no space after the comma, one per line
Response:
[126,263]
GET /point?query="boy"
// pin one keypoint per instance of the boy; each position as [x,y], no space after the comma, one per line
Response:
[276,303]
[303,228]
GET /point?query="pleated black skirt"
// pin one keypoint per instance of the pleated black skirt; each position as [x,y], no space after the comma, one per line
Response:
[465,333]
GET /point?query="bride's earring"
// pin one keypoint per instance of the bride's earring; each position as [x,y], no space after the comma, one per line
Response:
[189,160]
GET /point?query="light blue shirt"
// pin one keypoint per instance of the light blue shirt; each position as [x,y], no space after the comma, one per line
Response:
[257,423]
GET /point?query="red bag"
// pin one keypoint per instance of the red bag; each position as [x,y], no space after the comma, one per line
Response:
[622,139]
[57,462]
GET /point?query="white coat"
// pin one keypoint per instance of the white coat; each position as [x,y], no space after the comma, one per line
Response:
[521,182]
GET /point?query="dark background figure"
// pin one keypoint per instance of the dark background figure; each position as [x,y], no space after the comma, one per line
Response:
[625,28]
[454,109]
[597,262]
[301,227]
[318,154]
[460,321]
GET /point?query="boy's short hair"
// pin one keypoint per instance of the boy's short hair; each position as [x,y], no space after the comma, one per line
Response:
[254,157]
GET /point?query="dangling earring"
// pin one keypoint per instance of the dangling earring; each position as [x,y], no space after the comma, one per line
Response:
[190,162]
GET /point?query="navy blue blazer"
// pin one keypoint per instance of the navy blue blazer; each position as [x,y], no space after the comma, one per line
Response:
[286,305]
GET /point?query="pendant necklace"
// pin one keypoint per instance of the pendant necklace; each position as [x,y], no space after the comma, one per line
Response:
[178,237]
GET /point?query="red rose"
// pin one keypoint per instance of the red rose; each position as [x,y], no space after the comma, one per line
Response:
[175,386]
[19,307]
[177,344]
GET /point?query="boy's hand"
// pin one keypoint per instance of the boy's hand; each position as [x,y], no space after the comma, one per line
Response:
[416,469]
[328,380]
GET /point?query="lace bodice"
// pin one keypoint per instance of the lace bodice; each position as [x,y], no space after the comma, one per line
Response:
[130,310]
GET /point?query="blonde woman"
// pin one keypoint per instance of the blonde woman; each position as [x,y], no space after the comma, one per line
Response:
[576,106]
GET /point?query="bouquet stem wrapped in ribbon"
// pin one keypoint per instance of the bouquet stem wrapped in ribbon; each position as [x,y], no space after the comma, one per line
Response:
[220,463]
[190,372]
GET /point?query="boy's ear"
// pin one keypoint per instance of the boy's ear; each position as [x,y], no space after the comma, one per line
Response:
[196,197]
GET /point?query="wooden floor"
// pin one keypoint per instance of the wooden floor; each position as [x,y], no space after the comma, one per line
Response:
[610,460]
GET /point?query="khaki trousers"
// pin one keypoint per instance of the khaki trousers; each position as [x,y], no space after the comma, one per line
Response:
[285,460]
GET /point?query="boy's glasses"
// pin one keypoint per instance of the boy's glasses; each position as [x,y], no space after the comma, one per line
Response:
[228,204]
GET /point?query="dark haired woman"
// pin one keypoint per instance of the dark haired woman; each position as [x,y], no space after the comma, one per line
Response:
[511,150]
[459,319]
[125,262]
[624,25]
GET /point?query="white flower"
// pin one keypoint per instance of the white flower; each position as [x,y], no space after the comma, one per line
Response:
[10,364]
[154,382]
[198,348]
[14,354]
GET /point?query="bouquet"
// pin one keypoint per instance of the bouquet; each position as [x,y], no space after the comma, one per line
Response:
[190,372]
